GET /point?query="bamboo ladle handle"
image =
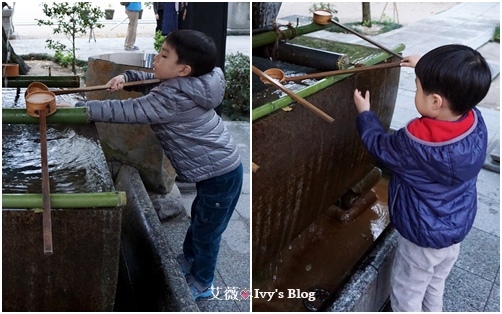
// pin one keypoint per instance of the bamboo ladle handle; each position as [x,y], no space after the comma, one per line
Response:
[324,17]
[297,98]
[341,72]
[366,38]
[40,104]
[46,201]
[102,87]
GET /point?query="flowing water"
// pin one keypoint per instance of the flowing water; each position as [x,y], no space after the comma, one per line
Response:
[76,161]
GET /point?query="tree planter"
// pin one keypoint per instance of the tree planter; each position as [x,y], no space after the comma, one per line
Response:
[109,14]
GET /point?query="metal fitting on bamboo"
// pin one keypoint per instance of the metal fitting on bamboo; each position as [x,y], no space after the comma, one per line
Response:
[315,58]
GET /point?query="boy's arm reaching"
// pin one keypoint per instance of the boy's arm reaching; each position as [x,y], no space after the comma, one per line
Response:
[383,146]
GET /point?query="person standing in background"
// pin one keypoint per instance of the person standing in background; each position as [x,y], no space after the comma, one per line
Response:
[170,17]
[132,11]
[158,9]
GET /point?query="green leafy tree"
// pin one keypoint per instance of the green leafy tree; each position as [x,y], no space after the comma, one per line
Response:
[71,20]
[158,40]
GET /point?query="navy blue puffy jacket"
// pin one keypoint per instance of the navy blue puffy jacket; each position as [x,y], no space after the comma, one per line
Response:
[432,192]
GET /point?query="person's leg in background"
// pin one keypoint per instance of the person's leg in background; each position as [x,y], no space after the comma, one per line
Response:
[131,30]
[160,13]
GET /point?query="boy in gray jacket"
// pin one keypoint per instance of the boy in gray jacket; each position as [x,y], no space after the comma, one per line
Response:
[180,110]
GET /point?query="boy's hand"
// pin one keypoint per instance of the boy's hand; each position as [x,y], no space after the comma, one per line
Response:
[116,83]
[362,104]
[410,61]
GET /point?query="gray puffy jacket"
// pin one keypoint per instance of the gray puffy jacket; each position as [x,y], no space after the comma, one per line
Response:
[181,113]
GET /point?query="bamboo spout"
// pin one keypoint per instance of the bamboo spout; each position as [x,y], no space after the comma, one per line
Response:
[270,37]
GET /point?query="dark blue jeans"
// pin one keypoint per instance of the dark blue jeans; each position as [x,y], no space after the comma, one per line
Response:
[211,211]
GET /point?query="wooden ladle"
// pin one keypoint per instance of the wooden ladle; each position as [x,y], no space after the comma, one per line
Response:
[102,87]
[291,94]
[40,104]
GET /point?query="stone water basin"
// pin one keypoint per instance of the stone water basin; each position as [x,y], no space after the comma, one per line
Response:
[81,274]
[306,166]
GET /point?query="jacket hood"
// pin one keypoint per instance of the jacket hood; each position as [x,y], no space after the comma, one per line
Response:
[453,161]
[206,91]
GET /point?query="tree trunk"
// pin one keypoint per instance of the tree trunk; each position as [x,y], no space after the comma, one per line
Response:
[366,14]
[13,57]
[264,13]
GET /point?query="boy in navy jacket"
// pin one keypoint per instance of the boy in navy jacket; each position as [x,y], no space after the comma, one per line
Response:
[435,161]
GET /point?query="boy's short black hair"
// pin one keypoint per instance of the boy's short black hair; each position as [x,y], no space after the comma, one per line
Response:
[194,48]
[456,72]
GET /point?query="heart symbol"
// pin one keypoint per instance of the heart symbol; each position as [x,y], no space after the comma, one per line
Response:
[245,294]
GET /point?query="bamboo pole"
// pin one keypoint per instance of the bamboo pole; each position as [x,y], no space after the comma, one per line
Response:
[73,116]
[340,72]
[72,200]
[270,37]
[366,38]
[50,81]
[282,102]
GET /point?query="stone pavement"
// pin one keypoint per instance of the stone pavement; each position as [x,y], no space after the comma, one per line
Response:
[474,283]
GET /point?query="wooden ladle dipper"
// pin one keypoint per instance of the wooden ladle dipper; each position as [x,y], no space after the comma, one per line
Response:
[40,104]
[291,94]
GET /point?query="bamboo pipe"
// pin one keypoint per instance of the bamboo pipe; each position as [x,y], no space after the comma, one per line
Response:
[49,81]
[102,87]
[297,98]
[58,200]
[323,60]
[79,115]
[341,72]
[270,37]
